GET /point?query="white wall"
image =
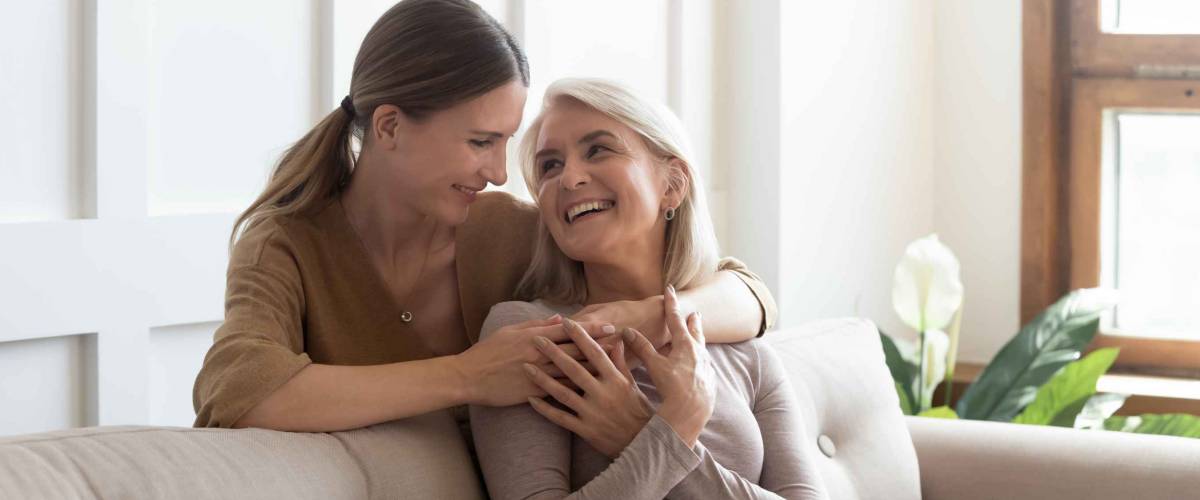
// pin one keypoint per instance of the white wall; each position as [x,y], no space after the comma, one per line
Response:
[977,163]
[828,149]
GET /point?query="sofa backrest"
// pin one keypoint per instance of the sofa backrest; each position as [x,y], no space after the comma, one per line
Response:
[420,457]
[850,409]
[847,400]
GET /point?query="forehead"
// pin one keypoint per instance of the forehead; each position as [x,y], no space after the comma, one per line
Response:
[567,119]
[497,110]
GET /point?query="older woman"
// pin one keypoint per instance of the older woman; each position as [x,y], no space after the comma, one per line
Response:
[623,212]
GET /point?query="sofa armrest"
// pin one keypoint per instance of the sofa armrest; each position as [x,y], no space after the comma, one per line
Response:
[973,459]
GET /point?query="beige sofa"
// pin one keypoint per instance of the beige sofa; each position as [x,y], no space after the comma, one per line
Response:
[865,448]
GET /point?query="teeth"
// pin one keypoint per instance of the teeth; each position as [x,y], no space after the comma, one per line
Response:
[463,189]
[574,211]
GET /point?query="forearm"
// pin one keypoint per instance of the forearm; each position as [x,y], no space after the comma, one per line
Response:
[327,398]
[730,311]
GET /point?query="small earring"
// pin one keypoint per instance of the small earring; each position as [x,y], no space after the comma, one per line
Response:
[670,213]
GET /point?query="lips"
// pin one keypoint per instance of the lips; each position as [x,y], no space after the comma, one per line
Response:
[585,208]
[469,192]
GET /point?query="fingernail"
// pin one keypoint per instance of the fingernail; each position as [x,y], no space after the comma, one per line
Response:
[671,288]
[627,334]
[534,401]
[556,317]
[542,341]
[608,329]
[530,370]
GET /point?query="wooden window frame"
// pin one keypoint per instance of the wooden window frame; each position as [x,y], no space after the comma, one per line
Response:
[1073,72]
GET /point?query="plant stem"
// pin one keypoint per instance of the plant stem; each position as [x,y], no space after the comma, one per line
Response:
[921,404]
[949,387]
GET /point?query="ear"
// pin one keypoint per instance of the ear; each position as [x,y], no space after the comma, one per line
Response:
[386,123]
[679,177]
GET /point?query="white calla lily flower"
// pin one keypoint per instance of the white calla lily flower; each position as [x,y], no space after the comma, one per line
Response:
[926,288]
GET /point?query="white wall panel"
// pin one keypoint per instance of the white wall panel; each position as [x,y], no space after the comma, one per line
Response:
[47,384]
[977,210]
[176,353]
[232,85]
[40,81]
[856,161]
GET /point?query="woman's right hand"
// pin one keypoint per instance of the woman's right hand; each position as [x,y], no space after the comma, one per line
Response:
[684,377]
[493,370]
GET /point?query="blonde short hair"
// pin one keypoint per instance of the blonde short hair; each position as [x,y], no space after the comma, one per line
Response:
[691,245]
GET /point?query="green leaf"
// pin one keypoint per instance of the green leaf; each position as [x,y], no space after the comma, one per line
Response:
[1036,353]
[905,404]
[1099,408]
[939,412]
[1063,397]
[903,372]
[1170,424]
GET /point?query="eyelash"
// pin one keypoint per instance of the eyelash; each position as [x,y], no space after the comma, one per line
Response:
[480,144]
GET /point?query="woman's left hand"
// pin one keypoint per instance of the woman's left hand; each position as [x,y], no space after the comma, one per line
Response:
[612,409]
[644,315]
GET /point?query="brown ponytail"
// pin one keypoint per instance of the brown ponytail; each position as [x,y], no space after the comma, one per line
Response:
[421,56]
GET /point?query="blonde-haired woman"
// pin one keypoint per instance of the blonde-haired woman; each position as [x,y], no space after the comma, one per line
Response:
[623,215]
[358,281]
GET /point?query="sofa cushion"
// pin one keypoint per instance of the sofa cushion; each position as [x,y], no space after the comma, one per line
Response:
[420,457]
[850,409]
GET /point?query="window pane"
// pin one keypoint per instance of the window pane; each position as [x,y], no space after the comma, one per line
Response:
[1155,17]
[1153,254]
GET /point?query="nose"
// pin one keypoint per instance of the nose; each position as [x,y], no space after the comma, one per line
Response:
[496,170]
[573,176]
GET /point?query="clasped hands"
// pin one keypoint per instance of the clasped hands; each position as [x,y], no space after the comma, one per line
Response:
[609,409]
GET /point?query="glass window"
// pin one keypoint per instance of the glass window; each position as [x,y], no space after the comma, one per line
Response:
[1151,17]
[1151,226]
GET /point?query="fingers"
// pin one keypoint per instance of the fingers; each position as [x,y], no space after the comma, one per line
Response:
[594,329]
[554,388]
[569,367]
[696,328]
[618,356]
[671,316]
[533,323]
[558,417]
[641,347]
[595,355]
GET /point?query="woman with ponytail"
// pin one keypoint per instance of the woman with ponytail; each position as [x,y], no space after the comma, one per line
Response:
[359,279]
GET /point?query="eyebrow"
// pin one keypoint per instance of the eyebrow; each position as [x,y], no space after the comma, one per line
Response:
[593,135]
[488,133]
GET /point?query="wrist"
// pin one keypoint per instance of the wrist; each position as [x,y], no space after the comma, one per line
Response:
[458,378]
[687,422]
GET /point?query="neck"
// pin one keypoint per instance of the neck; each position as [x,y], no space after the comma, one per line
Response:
[387,226]
[633,276]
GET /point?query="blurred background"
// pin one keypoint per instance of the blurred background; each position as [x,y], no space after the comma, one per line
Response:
[829,135]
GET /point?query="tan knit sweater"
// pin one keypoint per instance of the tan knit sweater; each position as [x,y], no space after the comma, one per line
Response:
[302,290]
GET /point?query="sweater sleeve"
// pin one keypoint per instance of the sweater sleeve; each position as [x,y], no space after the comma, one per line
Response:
[766,301]
[524,456]
[260,345]
[789,469]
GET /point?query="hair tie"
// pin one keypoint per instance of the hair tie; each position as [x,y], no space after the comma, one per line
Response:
[348,106]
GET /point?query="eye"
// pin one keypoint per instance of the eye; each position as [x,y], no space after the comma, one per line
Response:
[481,144]
[549,165]
[594,150]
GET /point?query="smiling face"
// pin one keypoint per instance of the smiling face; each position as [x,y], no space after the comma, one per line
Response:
[601,191]
[435,165]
